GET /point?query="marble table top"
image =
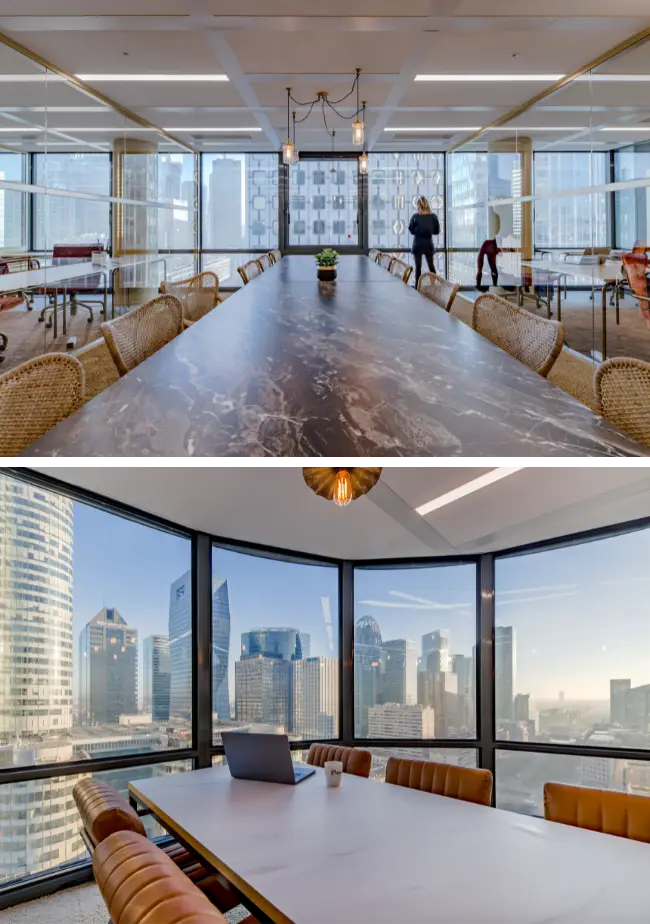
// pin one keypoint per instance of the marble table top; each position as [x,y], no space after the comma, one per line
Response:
[365,366]
[371,851]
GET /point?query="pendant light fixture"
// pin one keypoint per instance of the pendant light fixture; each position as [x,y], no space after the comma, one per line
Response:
[341,485]
[288,149]
[296,153]
[358,126]
[363,160]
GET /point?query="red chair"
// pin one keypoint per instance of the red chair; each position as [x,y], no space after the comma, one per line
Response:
[636,267]
[17,264]
[91,284]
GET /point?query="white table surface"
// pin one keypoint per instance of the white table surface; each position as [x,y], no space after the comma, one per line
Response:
[373,852]
[47,276]
[603,272]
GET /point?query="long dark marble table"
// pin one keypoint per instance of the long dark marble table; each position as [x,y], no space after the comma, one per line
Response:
[365,366]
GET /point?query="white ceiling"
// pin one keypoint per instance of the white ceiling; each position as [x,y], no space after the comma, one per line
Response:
[273,506]
[265,45]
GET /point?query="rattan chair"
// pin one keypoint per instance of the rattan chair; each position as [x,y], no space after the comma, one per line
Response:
[197,294]
[440,291]
[385,260]
[137,335]
[35,396]
[265,261]
[373,254]
[534,341]
[249,271]
[276,255]
[622,387]
[401,269]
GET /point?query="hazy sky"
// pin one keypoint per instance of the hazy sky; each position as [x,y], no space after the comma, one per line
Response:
[581,614]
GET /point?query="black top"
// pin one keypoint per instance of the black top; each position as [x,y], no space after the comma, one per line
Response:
[423,227]
[364,366]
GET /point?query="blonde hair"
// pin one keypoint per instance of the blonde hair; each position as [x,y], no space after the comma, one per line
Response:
[423,206]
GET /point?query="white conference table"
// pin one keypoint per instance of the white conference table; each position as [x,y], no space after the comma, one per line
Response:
[604,275]
[373,852]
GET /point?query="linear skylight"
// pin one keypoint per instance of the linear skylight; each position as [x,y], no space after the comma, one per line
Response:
[468,488]
[625,128]
[153,78]
[486,78]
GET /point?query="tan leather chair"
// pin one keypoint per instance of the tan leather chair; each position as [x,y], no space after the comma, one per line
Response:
[385,260]
[136,336]
[614,813]
[104,811]
[141,885]
[463,783]
[354,760]
[537,342]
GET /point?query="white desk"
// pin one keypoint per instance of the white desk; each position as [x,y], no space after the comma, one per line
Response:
[370,851]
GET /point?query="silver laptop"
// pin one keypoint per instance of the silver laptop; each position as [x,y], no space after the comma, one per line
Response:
[262,757]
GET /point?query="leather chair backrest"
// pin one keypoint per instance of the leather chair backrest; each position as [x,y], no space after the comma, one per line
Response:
[615,813]
[141,885]
[354,760]
[104,811]
[463,783]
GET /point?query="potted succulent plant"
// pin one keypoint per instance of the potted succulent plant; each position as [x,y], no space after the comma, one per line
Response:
[327,260]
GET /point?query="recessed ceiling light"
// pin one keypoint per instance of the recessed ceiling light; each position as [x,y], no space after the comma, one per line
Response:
[19,130]
[469,488]
[433,129]
[234,128]
[625,128]
[483,78]
[614,78]
[155,78]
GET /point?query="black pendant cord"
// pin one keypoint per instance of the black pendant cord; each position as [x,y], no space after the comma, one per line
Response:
[354,87]
[340,114]
[330,133]
[311,106]
[288,108]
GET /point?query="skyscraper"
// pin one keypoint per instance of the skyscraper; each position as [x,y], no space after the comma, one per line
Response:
[180,647]
[399,669]
[108,668]
[367,671]
[400,721]
[463,667]
[262,690]
[285,643]
[504,672]
[156,677]
[618,701]
[436,643]
[522,707]
[226,204]
[315,697]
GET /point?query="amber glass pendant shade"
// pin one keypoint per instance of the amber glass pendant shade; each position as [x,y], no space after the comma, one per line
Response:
[341,485]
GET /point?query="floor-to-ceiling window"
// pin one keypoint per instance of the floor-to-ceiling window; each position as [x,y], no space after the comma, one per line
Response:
[70,219]
[13,203]
[575,220]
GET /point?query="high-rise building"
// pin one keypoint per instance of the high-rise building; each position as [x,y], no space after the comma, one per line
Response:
[226,204]
[108,668]
[262,690]
[36,544]
[391,720]
[36,674]
[637,708]
[399,670]
[315,697]
[285,643]
[463,667]
[436,643]
[367,671]
[618,690]
[156,677]
[180,647]
[504,671]
[521,711]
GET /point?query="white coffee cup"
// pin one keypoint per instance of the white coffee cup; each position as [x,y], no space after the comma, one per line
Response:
[333,772]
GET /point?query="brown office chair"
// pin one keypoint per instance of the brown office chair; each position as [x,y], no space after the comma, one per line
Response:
[622,389]
[141,885]
[636,267]
[197,294]
[354,760]
[276,255]
[463,783]
[617,813]
[35,396]
[136,336]
[265,261]
[249,271]
[534,341]
[441,292]
[401,269]
[385,260]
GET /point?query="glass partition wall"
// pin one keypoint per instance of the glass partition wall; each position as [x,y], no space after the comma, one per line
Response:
[511,661]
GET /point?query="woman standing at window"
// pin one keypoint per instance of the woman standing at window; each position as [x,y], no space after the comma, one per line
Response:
[423,225]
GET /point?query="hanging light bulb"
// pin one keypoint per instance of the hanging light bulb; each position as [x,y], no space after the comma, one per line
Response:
[288,149]
[357,132]
[296,154]
[363,164]
[342,494]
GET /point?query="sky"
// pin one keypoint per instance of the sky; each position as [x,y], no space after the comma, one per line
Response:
[580,613]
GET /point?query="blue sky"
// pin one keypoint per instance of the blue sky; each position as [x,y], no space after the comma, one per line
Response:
[581,614]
